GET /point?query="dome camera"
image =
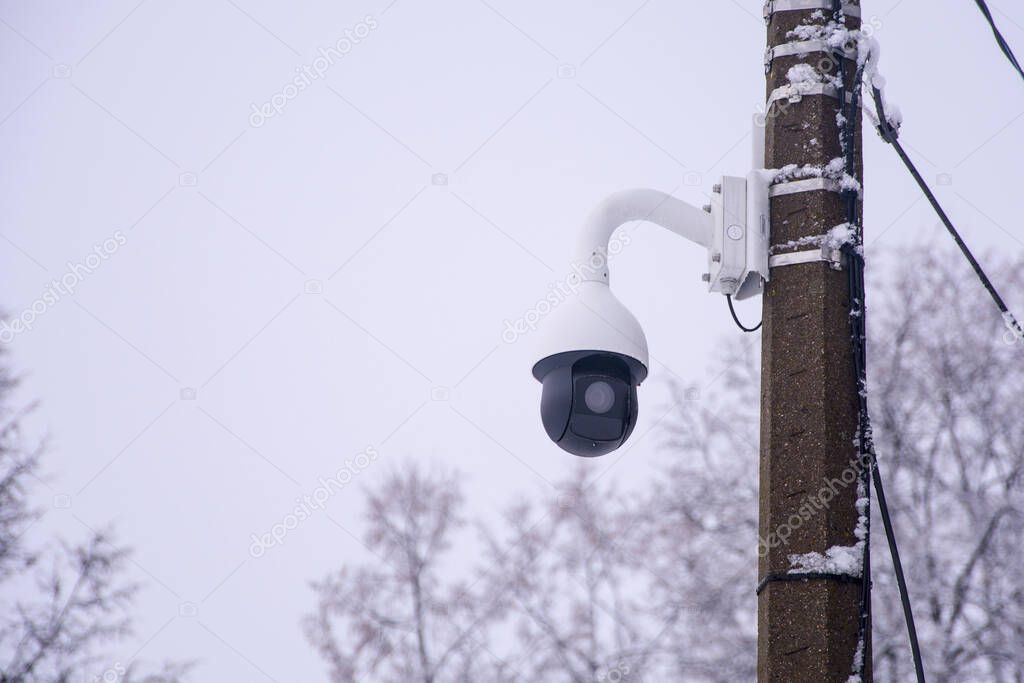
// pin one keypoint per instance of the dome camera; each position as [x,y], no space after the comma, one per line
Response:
[595,359]
[593,352]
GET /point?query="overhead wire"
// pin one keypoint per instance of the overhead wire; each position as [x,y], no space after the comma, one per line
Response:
[1003,45]
[890,134]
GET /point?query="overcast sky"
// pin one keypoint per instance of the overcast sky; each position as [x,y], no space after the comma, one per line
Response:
[277,290]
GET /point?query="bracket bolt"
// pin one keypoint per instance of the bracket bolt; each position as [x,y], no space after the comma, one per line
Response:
[716,258]
[706,277]
[717,188]
[707,208]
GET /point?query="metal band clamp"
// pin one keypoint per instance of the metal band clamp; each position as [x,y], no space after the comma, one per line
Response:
[801,47]
[805,185]
[793,93]
[806,576]
[792,258]
[773,6]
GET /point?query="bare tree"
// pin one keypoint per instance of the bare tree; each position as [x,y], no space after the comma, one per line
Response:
[948,386]
[400,618]
[66,601]
[560,596]
[701,538]
[17,465]
[578,588]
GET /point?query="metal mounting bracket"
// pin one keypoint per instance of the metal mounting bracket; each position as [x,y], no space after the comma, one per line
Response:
[801,47]
[738,253]
[824,253]
[773,6]
[793,93]
[805,185]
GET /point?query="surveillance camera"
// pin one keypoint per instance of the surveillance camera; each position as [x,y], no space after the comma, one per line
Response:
[593,360]
[594,353]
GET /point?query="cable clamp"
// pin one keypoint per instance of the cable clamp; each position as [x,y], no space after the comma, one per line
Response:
[806,576]
[773,6]
[792,258]
[802,47]
[794,93]
[805,185]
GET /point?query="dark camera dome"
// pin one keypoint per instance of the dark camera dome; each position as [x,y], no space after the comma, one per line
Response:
[589,401]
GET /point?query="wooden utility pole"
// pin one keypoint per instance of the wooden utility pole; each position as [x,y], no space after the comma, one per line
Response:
[808,630]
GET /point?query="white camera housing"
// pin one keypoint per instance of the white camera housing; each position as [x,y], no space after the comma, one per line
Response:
[593,351]
[593,319]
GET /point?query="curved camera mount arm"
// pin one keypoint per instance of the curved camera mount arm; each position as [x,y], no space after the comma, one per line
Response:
[633,205]
[592,340]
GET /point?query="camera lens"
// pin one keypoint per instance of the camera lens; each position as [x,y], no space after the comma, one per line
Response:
[599,397]
[588,405]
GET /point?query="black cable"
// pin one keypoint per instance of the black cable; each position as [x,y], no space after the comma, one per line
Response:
[728,297]
[901,581]
[891,135]
[1003,45]
[858,333]
[869,452]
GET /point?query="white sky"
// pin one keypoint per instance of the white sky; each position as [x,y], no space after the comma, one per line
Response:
[105,108]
